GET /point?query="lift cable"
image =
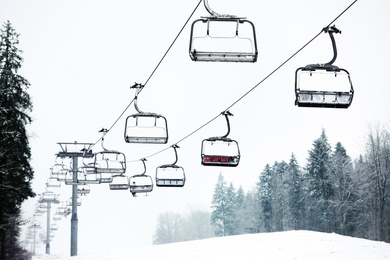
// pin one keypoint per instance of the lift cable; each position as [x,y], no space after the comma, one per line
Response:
[155,69]
[249,91]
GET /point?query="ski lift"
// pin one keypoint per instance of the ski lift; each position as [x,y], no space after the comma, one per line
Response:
[147,128]
[70,201]
[49,197]
[56,217]
[109,161]
[221,151]
[88,165]
[88,178]
[223,38]
[53,227]
[59,171]
[170,175]
[53,182]
[104,177]
[83,189]
[140,183]
[119,182]
[324,85]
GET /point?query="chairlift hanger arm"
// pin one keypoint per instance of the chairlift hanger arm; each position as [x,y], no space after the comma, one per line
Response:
[143,161]
[215,14]
[138,88]
[175,146]
[227,114]
[329,65]
[332,30]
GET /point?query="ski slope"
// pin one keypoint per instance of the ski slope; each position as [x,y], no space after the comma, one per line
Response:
[305,245]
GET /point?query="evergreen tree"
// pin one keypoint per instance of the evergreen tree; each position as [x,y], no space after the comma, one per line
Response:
[280,206]
[240,212]
[264,193]
[15,170]
[345,192]
[219,207]
[321,191]
[295,194]
[230,209]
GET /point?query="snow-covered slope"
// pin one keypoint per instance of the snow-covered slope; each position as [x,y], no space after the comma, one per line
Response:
[279,245]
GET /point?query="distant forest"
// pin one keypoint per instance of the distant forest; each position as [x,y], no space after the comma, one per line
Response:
[331,192]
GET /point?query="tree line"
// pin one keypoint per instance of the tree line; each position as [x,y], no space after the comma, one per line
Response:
[331,193]
[16,172]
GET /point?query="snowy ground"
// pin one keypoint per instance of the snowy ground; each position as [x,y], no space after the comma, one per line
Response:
[280,245]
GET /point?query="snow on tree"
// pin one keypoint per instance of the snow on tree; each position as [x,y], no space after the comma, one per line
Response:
[345,191]
[378,163]
[16,172]
[223,204]
[321,190]
[264,193]
[294,182]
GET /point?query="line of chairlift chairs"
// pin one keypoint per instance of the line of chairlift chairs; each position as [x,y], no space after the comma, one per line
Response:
[215,38]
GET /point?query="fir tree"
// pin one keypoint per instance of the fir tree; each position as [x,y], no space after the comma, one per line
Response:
[219,207]
[15,170]
[240,211]
[345,191]
[264,193]
[321,190]
[230,209]
[295,194]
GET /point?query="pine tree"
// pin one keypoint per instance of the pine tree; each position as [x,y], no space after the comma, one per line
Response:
[321,191]
[295,194]
[218,205]
[15,170]
[223,206]
[240,212]
[264,193]
[230,209]
[345,191]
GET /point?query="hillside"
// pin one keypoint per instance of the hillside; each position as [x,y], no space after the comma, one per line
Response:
[279,245]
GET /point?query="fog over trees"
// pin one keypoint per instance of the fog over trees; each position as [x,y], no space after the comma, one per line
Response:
[330,192]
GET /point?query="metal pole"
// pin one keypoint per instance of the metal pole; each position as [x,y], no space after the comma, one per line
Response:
[74,219]
[48,229]
[34,238]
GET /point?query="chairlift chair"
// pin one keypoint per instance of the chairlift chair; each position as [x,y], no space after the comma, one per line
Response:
[220,151]
[145,127]
[49,197]
[63,211]
[170,175]
[223,38]
[140,183]
[53,227]
[109,161]
[53,182]
[56,216]
[119,182]
[88,166]
[324,85]
[105,177]
[70,201]
[83,189]
[59,171]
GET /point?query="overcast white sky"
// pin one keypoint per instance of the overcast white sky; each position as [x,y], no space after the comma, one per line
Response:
[81,57]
